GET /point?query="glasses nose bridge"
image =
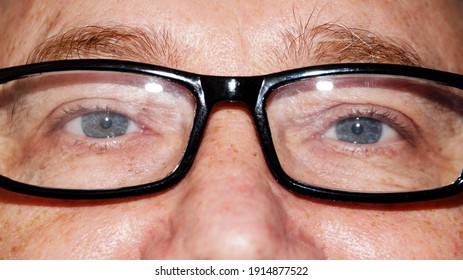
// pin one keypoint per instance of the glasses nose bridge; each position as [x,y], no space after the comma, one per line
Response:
[231,89]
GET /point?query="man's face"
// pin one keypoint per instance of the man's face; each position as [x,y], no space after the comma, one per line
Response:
[229,205]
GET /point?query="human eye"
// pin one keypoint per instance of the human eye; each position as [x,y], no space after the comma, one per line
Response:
[361,130]
[366,135]
[352,130]
[97,130]
[365,132]
[101,124]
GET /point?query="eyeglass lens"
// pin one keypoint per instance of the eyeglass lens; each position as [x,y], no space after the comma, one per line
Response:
[88,130]
[95,130]
[368,133]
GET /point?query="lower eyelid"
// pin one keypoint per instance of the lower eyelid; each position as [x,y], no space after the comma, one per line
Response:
[378,149]
[83,144]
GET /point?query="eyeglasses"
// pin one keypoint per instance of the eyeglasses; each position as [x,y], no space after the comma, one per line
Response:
[95,129]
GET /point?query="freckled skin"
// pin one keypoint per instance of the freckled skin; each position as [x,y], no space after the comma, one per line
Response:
[229,206]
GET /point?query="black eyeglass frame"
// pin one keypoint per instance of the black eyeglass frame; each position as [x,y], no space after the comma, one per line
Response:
[249,90]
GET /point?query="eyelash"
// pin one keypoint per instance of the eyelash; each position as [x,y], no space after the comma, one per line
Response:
[385,115]
[396,120]
[73,111]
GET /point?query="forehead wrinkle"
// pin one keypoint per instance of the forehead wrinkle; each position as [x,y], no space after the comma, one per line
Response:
[305,44]
[111,42]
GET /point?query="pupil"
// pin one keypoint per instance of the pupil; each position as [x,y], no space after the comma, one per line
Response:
[357,129]
[106,122]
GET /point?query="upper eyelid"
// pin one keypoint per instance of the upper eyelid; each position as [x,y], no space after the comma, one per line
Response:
[28,85]
[438,94]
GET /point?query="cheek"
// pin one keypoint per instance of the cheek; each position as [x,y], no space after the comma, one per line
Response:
[398,236]
[81,232]
[345,233]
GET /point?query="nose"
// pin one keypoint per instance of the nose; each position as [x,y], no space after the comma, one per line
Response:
[230,206]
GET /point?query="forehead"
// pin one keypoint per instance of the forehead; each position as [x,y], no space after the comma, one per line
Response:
[243,37]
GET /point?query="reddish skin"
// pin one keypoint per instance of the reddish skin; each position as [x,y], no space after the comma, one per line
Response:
[229,206]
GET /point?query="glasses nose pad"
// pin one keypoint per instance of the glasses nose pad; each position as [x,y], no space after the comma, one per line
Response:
[238,89]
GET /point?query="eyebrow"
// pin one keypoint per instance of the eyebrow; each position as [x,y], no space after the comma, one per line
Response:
[111,42]
[303,45]
[336,43]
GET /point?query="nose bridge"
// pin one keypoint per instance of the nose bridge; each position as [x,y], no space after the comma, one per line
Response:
[229,205]
[228,208]
[235,89]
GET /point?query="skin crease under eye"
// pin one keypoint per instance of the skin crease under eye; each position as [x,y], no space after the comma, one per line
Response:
[199,218]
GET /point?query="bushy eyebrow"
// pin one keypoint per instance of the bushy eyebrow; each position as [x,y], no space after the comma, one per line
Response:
[111,42]
[303,45]
[336,43]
